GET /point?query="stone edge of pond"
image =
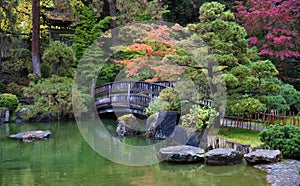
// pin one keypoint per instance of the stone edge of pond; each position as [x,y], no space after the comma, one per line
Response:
[284,173]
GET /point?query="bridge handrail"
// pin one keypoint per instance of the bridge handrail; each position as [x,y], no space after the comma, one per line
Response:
[122,86]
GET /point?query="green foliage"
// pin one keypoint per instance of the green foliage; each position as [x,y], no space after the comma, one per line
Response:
[53,94]
[60,57]
[284,138]
[247,78]
[3,88]
[87,30]
[286,97]
[108,73]
[245,105]
[199,117]
[45,70]
[15,89]
[9,101]
[8,15]
[168,100]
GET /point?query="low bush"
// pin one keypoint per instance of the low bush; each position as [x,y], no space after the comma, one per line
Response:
[284,138]
[199,117]
[167,100]
[15,89]
[9,101]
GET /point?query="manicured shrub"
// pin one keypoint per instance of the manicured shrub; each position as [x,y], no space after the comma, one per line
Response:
[168,100]
[199,117]
[284,138]
[9,101]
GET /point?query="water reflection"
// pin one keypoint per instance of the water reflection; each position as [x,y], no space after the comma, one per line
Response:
[66,159]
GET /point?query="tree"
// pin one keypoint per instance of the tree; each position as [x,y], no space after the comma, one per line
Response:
[247,78]
[272,26]
[60,57]
[88,28]
[7,21]
[36,37]
[146,58]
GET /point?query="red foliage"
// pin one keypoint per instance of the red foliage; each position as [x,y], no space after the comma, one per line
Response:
[271,25]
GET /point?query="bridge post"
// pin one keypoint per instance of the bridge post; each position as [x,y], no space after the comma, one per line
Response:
[93,95]
[128,94]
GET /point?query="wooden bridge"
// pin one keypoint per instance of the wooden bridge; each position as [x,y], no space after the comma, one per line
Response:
[128,96]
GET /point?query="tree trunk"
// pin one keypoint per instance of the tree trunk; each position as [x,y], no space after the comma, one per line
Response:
[57,69]
[112,13]
[0,62]
[36,37]
[160,6]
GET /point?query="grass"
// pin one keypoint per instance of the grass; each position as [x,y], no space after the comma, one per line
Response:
[242,136]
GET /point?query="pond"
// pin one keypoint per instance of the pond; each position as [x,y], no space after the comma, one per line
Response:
[66,159]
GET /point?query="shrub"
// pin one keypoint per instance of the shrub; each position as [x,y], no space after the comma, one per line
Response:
[54,95]
[199,117]
[45,71]
[168,100]
[3,88]
[9,101]
[284,138]
[15,89]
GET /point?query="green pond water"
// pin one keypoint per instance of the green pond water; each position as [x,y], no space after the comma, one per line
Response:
[67,159]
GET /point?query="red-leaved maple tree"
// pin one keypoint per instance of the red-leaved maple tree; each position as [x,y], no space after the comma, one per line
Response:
[273,26]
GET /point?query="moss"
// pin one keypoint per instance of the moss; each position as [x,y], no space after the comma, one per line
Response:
[126,118]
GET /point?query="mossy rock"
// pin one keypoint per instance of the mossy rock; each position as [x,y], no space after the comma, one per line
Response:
[128,125]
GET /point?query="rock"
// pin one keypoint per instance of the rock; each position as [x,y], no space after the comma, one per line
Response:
[4,115]
[263,156]
[128,125]
[283,173]
[181,154]
[186,136]
[39,134]
[222,156]
[161,125]
[217,142]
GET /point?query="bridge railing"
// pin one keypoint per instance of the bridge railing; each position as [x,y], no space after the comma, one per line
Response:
[132,87]
[132,94]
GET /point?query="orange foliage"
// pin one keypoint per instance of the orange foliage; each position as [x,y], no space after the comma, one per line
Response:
[143,47]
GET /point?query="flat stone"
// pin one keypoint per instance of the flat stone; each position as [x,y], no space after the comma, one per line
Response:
[262,156]
[32,135]
[223,156]
[283,173]
[182,154]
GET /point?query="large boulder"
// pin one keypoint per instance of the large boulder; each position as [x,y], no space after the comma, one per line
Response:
[4,115]
[181,154]
[186,136]
[222,156]
[128,125]
[39,134]
[263,156]
[161,125]
[283,173]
